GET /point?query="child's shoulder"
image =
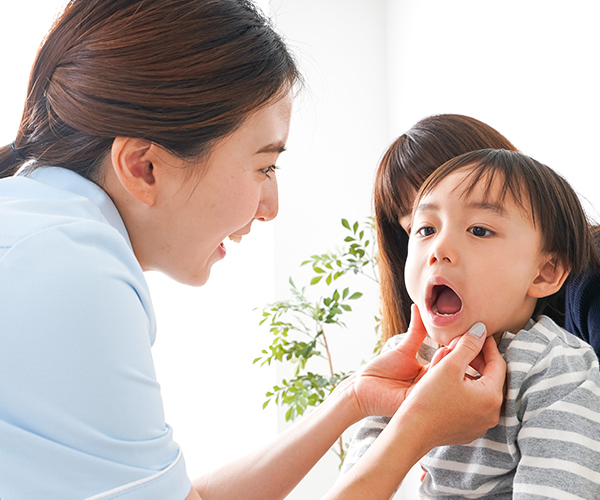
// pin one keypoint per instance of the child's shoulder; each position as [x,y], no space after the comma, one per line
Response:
[541,339]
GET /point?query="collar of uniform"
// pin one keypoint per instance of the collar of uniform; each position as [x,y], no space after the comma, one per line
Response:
[62,178]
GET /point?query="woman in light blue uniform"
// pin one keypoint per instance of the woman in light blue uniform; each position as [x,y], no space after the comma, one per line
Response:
[149,135]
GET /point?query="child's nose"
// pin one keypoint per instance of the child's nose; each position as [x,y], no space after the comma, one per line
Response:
[444,250]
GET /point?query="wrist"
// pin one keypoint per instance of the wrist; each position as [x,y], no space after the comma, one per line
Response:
[344,402]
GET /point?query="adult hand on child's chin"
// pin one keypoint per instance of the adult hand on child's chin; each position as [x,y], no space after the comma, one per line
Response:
[460,408]
[383,384]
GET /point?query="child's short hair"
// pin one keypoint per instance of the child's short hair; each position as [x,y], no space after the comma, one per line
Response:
[553,205]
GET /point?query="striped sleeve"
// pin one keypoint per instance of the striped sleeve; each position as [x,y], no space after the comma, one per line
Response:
[559,410]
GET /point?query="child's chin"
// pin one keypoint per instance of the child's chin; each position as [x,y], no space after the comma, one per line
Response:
[444,336]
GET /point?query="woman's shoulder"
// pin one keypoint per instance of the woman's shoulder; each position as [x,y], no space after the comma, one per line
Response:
[62,256]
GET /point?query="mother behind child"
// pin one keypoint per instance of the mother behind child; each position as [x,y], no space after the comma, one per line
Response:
[493,233]
[404,167]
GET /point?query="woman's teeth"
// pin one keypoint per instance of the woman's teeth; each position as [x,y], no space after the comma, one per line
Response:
[235,239]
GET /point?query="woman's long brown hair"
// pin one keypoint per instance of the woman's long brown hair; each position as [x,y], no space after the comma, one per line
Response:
[180,73]
[404,167]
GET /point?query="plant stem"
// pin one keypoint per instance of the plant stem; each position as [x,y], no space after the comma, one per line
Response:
[340,441]
[328,353]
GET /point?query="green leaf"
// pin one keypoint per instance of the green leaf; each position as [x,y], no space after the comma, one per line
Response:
[290,414]
[265,404]
[356,295]
[346,307]
[348,239]
[318,270]
[315,280]
[345,292]
[345,224]
[355,228]
[328,279]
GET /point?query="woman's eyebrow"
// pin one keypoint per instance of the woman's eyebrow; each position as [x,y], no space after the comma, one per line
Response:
[275,147]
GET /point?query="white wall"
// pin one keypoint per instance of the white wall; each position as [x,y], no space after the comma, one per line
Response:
[339,130]
[528,68]
[373,68]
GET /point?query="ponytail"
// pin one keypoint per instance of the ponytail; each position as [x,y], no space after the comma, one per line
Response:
[10,160]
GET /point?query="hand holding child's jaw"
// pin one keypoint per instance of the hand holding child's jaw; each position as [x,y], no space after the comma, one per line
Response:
[445,396]
[383,384]
[440,390]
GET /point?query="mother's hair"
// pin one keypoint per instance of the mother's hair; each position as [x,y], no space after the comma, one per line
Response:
[411,158]
[179,73]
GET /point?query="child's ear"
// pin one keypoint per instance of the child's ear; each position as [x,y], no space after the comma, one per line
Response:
[551,276]
[132,161]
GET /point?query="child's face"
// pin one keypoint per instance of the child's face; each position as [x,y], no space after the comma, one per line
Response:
[471,259]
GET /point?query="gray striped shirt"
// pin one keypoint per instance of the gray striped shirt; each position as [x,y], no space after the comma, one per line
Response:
[547,444]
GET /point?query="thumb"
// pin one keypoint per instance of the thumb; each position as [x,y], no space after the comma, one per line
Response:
[469,345]
[416,332]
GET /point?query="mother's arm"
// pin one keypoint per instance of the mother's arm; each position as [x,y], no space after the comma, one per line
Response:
[444,407]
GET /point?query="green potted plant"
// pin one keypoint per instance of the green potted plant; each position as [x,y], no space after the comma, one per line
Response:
[301,324]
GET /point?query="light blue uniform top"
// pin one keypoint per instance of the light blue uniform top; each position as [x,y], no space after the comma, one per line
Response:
[81,415]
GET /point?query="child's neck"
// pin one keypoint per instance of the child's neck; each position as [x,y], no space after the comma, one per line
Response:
[500,333]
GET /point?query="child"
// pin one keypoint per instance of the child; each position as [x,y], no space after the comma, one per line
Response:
[494,235]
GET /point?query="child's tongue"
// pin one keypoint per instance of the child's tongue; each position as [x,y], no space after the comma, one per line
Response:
[448,302]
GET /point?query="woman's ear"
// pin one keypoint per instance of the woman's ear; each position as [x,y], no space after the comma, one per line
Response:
[132,163]
[551,276]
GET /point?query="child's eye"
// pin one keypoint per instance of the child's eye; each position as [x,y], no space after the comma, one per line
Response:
[269,170]
[480,232]
[425,231]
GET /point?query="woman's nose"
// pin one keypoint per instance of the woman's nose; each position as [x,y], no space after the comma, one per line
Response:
[444,249]
[268,206]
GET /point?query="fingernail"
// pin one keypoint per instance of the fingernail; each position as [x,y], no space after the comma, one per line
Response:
[477,330]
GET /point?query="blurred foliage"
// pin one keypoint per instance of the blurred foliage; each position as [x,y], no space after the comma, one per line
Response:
[299,325]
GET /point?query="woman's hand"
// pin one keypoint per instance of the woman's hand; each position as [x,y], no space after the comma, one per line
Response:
[461,407]
[383,384]
[457,407]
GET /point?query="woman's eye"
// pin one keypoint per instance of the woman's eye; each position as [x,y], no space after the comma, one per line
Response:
[425,231]
[269,170]
[480,232]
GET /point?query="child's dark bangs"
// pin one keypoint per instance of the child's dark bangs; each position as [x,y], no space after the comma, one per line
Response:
[497,181]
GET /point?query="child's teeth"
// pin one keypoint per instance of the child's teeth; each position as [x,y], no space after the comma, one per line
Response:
[435,310]
[235,239]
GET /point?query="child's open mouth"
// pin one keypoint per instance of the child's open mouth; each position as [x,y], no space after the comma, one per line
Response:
[443,301]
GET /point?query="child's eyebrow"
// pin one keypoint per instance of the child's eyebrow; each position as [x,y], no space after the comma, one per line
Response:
[479,205]
[493,207]
[426,207]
